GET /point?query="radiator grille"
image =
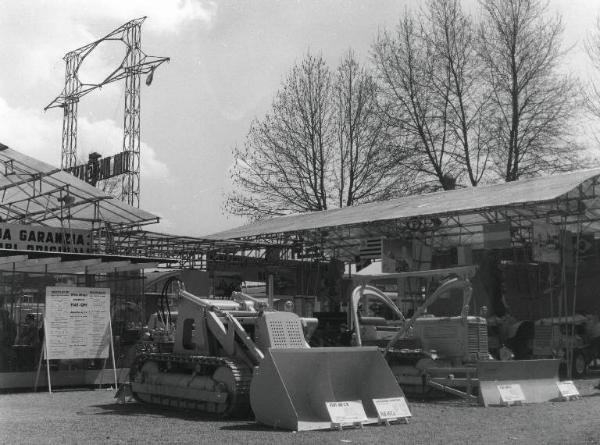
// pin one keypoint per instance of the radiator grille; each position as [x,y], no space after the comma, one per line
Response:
[542,340]
[286,333]
[477,339]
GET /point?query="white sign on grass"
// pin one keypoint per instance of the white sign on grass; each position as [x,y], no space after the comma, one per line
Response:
[77,322]
[567,389]
[511,393]
[346,412]
[392,408]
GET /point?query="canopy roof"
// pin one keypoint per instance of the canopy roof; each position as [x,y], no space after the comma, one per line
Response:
[33,192]
[189,252]
[569,199]
[38,194]
[31,261]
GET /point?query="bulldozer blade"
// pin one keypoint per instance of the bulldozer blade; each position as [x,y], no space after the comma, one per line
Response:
[537,379]
[290,387]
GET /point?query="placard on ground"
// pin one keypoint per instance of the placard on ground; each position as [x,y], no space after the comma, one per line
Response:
[567,390]
[511,394]
[349,412]
[393,408]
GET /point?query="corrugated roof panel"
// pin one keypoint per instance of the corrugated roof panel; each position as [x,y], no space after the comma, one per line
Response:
[525,191]
[30,189]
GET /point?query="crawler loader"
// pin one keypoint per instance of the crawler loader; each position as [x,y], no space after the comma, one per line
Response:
[447,353]
[230,358]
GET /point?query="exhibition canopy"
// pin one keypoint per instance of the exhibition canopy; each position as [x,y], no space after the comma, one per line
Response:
[53,222]
[33,192]
[44,209]
[570,200]
[31,261]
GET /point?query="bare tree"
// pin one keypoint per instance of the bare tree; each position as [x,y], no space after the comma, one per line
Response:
[321,145]
[365,170]
[452,36]
[533,102]
[592,46]
[406,69]
[282,166]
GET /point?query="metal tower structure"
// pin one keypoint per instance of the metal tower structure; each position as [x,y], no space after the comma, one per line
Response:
[134,64]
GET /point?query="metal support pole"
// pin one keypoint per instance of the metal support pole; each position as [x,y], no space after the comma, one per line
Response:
[131,68]
[270,291]
[47,358]
[112,351]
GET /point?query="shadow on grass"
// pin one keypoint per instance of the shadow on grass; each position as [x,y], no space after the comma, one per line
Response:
[135,409]
[252,426]
[257,427]
[440,398]
[140,409]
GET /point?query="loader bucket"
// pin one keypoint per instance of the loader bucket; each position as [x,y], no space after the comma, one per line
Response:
[537,378]
[290,386]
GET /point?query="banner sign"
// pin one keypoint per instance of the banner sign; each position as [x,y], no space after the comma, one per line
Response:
[496,236]
[546,242]
[346,412]
[98,169]
[46,239]
[396,255]
[77,322]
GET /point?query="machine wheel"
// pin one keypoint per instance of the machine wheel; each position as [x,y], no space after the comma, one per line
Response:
[579,365]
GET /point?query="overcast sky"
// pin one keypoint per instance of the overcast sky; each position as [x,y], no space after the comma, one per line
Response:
[227,60]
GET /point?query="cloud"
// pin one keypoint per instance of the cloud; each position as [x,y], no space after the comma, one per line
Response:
[163,16]
[36,134]
[32,132]
[106,138]
[35,35]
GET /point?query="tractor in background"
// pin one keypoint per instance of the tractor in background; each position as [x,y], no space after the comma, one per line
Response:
[575,340]
[448,353]
[572,339]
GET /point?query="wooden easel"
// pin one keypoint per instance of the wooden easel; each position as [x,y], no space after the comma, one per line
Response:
[112,355]
[44,353]
[340,425]
[388,422]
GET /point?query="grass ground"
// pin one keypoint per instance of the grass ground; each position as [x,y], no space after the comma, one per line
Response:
[90,417]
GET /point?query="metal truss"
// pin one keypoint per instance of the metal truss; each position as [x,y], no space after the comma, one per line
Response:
[188,252]
[577,210]
[35,193]
[134,64]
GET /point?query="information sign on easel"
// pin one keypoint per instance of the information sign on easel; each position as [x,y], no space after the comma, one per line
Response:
[347,413]
[393,408]
[568,390]
[511,394]
[77,325]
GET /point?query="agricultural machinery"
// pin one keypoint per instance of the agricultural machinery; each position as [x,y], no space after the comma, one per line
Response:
[230,357]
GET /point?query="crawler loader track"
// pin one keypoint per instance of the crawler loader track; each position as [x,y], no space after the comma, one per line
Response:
[407,357]
[223,403]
